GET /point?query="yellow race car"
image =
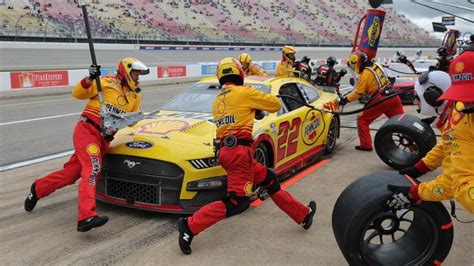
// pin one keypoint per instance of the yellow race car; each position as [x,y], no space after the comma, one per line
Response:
[167,164]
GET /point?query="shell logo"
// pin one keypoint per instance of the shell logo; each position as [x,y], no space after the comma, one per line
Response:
[459,67]
[163,127]
[93,149]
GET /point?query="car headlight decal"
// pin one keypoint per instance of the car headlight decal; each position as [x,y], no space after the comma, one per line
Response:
[206,184]
[204,163]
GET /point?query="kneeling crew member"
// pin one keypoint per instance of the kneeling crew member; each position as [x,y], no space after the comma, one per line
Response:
[372,81]
[454,152]
[249,68]
[234,113]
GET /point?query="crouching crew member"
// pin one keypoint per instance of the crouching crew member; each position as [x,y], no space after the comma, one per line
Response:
[326,75]
[374,82]
[234,113]
[249,68]
[454,152]
[121,94]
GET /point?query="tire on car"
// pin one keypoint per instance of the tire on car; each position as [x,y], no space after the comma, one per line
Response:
[368,233]
[333,134]
[403,140]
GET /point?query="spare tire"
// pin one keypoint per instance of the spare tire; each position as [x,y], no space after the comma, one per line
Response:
[368,233]
[403,140]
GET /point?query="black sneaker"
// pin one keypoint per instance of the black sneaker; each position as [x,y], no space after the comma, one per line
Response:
[185,235]
[308,221]
[360,148]
[91,222]
[31,200]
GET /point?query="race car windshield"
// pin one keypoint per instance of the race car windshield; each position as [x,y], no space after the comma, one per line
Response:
[199,98]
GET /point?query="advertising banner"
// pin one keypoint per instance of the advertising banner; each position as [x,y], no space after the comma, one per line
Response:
[448,20]
[38,79]
[171,71]
[269,66]
[208,69]
[108,72]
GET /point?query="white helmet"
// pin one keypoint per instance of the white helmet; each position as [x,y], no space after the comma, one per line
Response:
[429,87]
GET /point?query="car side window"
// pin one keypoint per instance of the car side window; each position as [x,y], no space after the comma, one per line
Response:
[291,89]
[310,93]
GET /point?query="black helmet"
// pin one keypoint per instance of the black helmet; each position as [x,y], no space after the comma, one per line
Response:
[331,61]
[442,51]
[403,59]
[305,59]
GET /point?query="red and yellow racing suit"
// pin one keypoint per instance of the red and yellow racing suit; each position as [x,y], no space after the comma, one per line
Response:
[370,81]
[234,114]
[89,144]
[455,154]
[284,69]
[254,70]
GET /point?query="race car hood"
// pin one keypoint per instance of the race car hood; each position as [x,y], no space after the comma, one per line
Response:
[169,135]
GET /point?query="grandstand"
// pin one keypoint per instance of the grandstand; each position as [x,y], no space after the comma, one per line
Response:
[303,22]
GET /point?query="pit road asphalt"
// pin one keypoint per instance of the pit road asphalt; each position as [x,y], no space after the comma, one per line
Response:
[262,235]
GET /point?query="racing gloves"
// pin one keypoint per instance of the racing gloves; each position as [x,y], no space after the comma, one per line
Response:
[403,197]
[259,114]
[94,72]
[415,171]
[342,72]
[343,100]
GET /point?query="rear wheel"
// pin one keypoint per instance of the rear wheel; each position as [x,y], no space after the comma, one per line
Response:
[260,153]
[368,233]
[332,136]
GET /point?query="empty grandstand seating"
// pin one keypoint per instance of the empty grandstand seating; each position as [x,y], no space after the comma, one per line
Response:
[329,22]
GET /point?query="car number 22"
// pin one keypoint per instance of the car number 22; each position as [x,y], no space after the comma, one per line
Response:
[288,138]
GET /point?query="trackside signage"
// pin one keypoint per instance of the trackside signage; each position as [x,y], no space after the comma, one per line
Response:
[37,79]
[171,71]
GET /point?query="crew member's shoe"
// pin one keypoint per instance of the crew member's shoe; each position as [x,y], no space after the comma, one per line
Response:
[91,222]
[308,221]
[32,199]
[360,148]
[185,235]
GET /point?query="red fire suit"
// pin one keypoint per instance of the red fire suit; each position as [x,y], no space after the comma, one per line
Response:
[370,81]
[89,144]
[234,112]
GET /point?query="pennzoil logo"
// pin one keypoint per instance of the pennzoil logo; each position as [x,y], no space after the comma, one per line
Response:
[373,32]
[163,127]
[310,128]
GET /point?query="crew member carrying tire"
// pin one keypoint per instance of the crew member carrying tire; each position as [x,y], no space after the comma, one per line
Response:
[454,152]
[326,75]
[285,68]
[234,113]
[249,68]
[374,82]
[121,94]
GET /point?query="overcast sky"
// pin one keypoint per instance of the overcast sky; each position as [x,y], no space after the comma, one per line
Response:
[423,16]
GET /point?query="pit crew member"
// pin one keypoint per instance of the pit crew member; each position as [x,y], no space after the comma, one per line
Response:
[121,94]
[285,68]
[326,75]
[234,113]
[372,81]
[249,68]
[454,152]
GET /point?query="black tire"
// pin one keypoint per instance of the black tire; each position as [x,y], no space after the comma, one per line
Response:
[403,140]
[360,219]
[333,133]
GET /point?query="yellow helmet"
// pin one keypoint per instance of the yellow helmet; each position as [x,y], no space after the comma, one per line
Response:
[289,53]
[230,70]
[245,58]
[357,61]
[126,65]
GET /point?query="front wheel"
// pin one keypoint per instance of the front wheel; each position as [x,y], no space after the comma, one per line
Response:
[368,233]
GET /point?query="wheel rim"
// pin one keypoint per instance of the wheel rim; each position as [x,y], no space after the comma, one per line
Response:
[260,155]
[409,236]
[332,135]
[400,148]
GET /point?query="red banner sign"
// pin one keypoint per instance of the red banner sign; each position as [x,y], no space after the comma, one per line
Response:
[171,71]
[37,79]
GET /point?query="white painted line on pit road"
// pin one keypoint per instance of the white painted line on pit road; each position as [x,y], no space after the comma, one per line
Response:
[34,161]
[37,119]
